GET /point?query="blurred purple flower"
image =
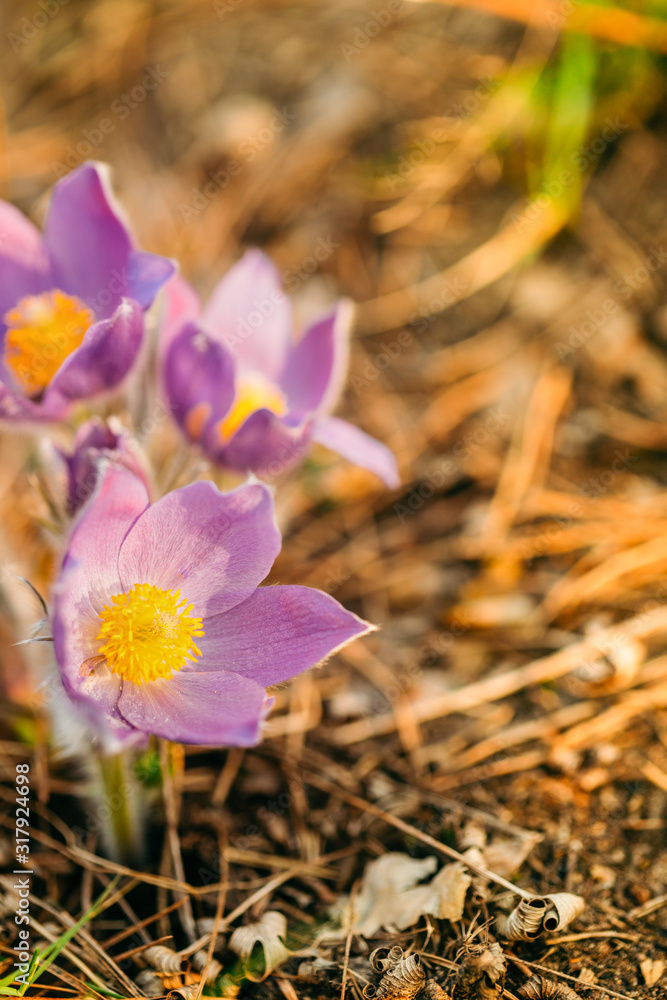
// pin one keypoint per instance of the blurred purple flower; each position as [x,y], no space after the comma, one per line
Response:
[95,444]
[159,624]
[72,302]
[243,388]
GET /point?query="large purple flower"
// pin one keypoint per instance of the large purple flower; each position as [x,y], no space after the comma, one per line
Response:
[242,387]
[72,301]
[159,625]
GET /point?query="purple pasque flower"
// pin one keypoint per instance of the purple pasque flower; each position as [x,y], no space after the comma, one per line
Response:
[240,384]
[159,623]
[72,301]
[95,444]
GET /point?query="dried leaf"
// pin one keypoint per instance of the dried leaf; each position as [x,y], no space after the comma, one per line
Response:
[541,914]
[163,959]
[269,932]
[525,920]
[184,992]
[506,855]
[539,988]
[383,959]
[566,907]
[433,991]
[389,896]
[652,970]
[481,974]
[149,983]
[403,980]
[213,968]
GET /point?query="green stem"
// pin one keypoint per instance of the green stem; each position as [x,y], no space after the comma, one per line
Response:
[120,805]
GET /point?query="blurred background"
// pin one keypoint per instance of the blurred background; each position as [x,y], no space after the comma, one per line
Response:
[486,179]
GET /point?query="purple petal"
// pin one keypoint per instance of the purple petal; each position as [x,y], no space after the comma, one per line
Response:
[88,243]
[96,443]
[215,708]
[317,366]
[105,356]
[251,315]
[24,267]
[277,633]
[89,578]
[18,408]
[181,306]
[119,499]
[198,380]
[214,547]
[147,273]
[357,447]
[264,444]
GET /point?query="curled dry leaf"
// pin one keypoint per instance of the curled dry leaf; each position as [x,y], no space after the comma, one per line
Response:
[163,959]
[185,992]
[525,920]
[539,988]
[269,932]
[383,959]
[566,907]
[481,974]
[402,980]
[213,968]
[541,914]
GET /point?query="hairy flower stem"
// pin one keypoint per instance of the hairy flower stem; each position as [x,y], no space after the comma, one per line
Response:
[120,808]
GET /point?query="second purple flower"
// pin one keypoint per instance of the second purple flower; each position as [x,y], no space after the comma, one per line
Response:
[245,389]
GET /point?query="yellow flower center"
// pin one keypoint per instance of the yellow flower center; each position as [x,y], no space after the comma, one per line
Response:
[148,633]
[253,392]
[43,330]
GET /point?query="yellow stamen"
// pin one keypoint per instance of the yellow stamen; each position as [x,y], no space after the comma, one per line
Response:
[148,633]
[43,330]
[253,392]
